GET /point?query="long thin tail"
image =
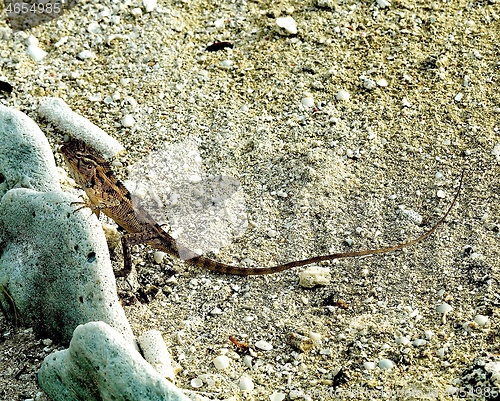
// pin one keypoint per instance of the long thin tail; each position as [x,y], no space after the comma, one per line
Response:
[219,267]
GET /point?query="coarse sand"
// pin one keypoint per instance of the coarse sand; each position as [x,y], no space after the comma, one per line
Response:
[328,131]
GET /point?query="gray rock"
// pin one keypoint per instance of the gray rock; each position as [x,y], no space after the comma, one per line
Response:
[101,365]
[59,113]
[26,160]
[55,265]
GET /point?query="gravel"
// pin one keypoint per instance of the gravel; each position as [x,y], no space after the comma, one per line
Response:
[321,156]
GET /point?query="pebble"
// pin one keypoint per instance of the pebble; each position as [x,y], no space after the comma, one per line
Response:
[86,55]
[382,82]
[149,5]
[246,384]
[221,362]
[316,337]
[277,396]
[343,95]
[287,24]
[383,3]
[441,194]
[300,343]
[481,320]
[418,342]
[36,53]
[128,121]
[264,345]
[308,102]
[196,382]
[385,364]
[314,276]
[444,308]
[459,96]
[411,215]
[369,365]
[158,256]
[247,361]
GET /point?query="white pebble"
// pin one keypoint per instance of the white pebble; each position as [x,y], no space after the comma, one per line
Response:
[369,83]
[221,362]
[246,384]
[219,23]
[385,364]
[444,308]
[308,102]
[411,215]
[149,5]
[31,41]
[86,55]
[227,63]
[196,382]
[313,276]
[429,334]
[342,95]
[481,320]
[382,82]
[158,256]
[316,337]
[128,121]
[277,396]
[247,361]
[418,342]
[264,345]
[440,194]
[369,365]
[383,3]
[94,27]
[288,24]
[36,53]
[459,96]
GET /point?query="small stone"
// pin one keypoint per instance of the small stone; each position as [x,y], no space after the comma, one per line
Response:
[149,5]
[383,3]
[196,382]
[481,320]
[287,25]
[227,63]
[385,364]
[441,194]
[418,342]
[343,95]
[300,343]
[277,396]
[247,361]
[316,337]
[308,102]
[459,96]
[36,53]
[313,276]
[411,215]
[369,365]
[444,308]
[158,256]
[221,362]
[86,55]
[264,345]
[382,82]
[128,121]
[246,384]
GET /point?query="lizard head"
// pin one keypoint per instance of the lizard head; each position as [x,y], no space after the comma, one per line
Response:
[82,160]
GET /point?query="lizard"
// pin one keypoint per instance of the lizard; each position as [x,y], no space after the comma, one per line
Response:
[109,195]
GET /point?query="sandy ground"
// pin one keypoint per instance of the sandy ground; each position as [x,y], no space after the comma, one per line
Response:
[313,176]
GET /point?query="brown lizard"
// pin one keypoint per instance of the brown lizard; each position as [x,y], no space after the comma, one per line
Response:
[93,173]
